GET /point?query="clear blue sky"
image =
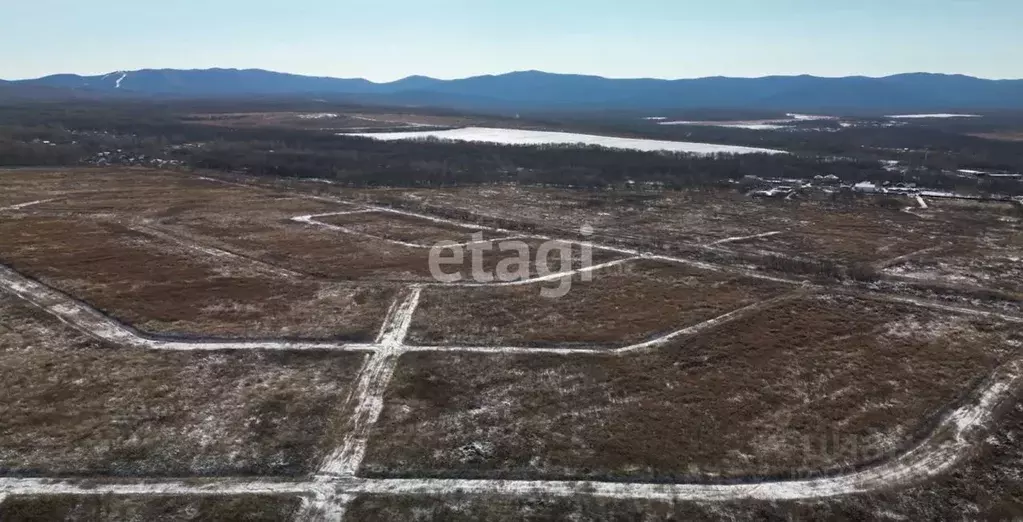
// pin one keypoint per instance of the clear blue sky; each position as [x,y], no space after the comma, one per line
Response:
[389,39]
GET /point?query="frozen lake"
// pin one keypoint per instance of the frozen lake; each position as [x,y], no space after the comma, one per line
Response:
[924,116]
[532,137]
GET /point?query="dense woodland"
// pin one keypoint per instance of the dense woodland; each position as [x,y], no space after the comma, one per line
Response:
[140,132]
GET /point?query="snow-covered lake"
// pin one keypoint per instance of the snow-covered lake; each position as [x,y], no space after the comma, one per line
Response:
[922,116]
[531,137]
[730,125]
[775,124]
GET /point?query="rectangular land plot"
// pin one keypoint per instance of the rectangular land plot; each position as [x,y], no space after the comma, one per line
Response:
[323,252]
[669,217]
[812,385]
[136,193]
[861,236]
[72,406]
[312,250]
[989,254]
[621,305]
[149,508]
[988,485]
[968,264]
[161,287]
[407,229]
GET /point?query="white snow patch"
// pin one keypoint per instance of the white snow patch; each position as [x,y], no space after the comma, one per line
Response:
[318,116]
[923,116]
[764,125]
[20,206]
[531,137]
[808,117]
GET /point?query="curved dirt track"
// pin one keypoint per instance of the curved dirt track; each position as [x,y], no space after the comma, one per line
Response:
[950,442]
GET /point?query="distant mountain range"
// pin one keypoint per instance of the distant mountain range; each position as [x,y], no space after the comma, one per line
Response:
[539,90]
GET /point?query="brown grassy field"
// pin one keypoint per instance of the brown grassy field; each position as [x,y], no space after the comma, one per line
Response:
[623,304]
[970,264]
[406,228]
[325,253]
[987,487]
[854,231]
[317,251]
[988,254]
[72,406]
[859,236]
[157,287]
[153,508]
[138,193]
[819,384]
[816,384]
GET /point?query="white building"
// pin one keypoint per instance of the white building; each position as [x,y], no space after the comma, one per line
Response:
[866,187]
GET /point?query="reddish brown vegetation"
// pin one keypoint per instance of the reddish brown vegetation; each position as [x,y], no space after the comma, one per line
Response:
[151,284]
[624,304]
[823,383]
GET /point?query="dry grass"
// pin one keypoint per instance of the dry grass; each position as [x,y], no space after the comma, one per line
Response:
[133,193]
[621,305]
[157,287]
[969,264]
[325,253]
[406,228]
[819,384]
[1002,136]
[853,236]
[150,508]
[72,406]
[988,255]
[852,232]
[317,251]
[987,487]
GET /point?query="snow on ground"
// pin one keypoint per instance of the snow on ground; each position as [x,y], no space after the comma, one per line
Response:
[774,124]
[808,117]
[318,116]
[655,118]
[531,137]
[922,116]
[755,126]
[729,124]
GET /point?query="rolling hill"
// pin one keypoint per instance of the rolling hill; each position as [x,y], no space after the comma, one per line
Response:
[539,90]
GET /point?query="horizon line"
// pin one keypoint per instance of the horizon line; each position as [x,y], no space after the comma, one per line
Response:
[522,71]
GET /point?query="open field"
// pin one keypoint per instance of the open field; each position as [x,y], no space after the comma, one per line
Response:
[406,229]
[851,232]
[623,304]
[826,383]
[142,193]
[72,406]
[987,487]
[148,508]
[988,255]
[694,365]
[152,284]
[367,247]
[969,264]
